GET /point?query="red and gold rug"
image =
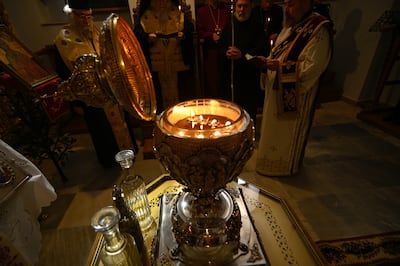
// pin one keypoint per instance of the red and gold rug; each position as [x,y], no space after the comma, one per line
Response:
[382,249]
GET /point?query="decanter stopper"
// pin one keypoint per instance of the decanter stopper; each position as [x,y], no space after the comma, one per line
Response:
[125,158]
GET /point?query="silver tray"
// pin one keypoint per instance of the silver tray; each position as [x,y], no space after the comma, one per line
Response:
[281,235]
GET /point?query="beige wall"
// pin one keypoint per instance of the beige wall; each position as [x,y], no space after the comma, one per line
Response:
[39,22]
[359,53]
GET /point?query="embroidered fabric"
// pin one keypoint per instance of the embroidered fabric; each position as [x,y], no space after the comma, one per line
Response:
[19,212]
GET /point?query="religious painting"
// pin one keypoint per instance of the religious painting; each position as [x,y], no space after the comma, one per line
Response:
[19,62]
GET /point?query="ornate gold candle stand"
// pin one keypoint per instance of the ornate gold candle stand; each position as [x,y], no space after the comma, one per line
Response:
[204,144]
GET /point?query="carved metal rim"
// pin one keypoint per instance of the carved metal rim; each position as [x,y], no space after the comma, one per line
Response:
[126,69]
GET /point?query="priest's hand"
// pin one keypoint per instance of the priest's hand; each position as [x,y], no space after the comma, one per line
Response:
[233,53]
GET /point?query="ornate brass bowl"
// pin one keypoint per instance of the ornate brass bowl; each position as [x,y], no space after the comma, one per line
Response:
[206,163]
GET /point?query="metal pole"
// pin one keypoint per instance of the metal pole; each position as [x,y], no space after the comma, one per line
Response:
[232,43]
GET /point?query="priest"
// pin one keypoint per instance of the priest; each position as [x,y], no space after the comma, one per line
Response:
[300,55]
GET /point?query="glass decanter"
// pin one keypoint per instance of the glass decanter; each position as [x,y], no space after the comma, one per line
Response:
[118,249]
[134,189]
[129,223]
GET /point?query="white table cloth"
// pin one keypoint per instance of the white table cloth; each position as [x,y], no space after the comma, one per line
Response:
[20,209]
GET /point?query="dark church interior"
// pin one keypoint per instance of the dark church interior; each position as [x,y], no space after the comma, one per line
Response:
[341,208]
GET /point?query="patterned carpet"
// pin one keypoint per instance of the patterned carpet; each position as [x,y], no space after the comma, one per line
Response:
[382,249]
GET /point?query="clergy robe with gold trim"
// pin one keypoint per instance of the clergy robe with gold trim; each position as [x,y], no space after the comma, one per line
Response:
[283,138]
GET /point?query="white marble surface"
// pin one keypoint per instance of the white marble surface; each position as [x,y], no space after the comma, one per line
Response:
[19,212]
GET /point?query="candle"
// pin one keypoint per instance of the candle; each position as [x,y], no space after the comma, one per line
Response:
[204,118]
[272,43]
[203,122]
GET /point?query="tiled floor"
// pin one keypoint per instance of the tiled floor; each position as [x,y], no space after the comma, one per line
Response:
[348,186]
